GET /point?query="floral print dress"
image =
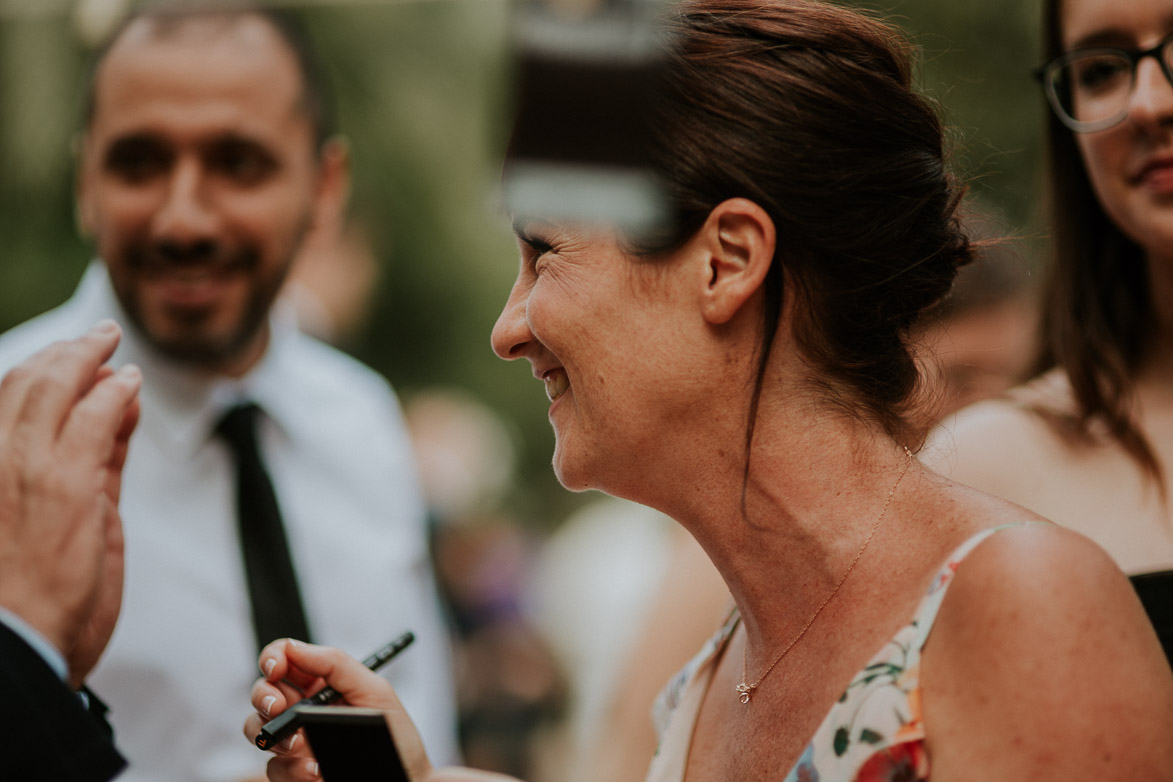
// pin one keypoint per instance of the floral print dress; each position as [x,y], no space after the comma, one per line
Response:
[873,733]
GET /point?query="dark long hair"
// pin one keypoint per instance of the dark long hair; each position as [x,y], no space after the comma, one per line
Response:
[1097,314]
[807,109]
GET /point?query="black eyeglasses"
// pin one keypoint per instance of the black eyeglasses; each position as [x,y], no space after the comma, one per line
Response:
[1089,89]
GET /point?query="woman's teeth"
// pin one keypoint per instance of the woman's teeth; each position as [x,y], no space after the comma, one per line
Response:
[556,384]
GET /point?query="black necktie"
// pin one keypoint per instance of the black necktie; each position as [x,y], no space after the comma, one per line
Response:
[272,584]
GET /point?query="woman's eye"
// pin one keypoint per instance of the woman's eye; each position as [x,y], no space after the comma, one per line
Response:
[534,250]
[1102,72]
[537,246]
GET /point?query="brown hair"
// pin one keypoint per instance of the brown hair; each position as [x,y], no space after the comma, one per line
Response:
[1097,315]
[807,109]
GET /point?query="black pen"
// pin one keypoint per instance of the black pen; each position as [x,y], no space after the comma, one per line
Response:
[286,722]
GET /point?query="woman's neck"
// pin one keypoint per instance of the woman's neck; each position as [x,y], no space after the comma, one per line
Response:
[813,497]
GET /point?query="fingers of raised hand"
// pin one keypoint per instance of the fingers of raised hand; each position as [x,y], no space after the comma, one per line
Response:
[43,388]
[98,424]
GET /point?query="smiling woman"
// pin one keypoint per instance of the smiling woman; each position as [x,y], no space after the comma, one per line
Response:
[746,369]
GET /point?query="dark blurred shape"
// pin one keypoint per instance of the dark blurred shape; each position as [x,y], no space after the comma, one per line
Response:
[1155,591]
[510,689]
[585,82]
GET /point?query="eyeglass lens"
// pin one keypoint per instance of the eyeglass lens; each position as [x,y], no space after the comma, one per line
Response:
[1092,89]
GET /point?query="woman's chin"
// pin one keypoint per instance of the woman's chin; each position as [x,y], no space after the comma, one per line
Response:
[571,472]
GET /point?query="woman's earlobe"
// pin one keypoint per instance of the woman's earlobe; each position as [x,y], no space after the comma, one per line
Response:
[739,240]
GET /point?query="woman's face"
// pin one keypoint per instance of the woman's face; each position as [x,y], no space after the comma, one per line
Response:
[1130,164]
[609,336]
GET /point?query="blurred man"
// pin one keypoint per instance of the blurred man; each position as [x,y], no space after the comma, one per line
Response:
[271,491]
[64,426]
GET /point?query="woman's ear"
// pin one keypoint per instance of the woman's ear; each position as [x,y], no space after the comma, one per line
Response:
[738,239]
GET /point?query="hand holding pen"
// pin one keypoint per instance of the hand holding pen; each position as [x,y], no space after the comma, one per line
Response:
[292,667]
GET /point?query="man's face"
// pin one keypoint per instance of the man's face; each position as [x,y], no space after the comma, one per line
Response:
[199,182]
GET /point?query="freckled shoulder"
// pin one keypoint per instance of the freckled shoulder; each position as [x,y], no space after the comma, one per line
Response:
[1042,665]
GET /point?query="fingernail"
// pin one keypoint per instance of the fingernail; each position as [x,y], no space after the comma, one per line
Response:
[267,704]
[296,642]
[290,742]
[311,767]
[130,372]
[268,665]
[104,326]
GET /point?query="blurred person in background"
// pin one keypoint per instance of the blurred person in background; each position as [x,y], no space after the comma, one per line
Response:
[332,281]
[631,569]
[208,159]
[1089,441]
[747,371]
[65,425]
[510,690]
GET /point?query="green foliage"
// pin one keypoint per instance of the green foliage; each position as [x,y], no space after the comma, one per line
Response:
[976,61]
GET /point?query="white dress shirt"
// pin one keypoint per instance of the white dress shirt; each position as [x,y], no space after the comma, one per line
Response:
[179,668]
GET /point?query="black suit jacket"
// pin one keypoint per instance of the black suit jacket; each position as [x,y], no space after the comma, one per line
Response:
[46,732]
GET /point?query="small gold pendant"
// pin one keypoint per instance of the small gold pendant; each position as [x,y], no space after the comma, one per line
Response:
[744,691]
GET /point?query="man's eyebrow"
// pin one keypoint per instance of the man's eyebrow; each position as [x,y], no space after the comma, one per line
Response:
[235,137]
[137,140]
[134,137]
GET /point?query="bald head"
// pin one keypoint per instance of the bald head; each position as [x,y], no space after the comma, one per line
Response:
[243,23]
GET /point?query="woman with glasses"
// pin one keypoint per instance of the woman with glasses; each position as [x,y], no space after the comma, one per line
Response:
[1089,443]
[747,370]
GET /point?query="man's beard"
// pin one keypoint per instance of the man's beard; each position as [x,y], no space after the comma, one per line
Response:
[189,340]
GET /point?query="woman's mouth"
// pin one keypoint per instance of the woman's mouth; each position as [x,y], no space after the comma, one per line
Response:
[1156,174]
[556,383]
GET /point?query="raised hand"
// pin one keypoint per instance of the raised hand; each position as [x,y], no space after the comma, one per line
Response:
[65,425]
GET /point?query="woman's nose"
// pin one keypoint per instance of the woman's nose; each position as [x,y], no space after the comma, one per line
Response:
[1151,103]
[511,331]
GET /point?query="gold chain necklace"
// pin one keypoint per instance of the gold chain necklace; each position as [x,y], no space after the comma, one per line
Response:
[745,691]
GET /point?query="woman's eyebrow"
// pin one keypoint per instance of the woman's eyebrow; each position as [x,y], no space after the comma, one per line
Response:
[1113,37]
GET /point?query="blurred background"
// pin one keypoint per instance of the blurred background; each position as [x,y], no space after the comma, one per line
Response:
[416,280]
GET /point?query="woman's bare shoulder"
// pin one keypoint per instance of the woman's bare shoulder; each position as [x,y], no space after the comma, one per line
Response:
[1041,636]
